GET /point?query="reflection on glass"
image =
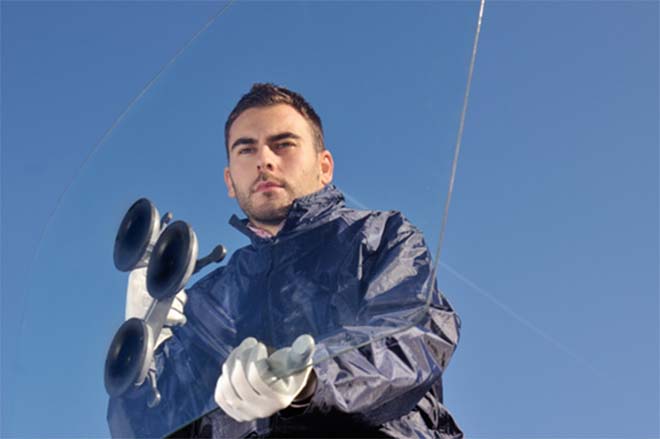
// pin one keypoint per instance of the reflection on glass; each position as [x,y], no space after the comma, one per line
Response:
[357,281]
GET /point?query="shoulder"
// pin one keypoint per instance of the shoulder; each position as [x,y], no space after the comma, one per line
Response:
[382,228]
[391,219]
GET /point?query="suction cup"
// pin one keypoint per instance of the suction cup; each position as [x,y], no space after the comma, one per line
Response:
[136,235]
[126,356]
[172,261]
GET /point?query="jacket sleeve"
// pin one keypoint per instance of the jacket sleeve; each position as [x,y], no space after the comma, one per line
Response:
[407,345]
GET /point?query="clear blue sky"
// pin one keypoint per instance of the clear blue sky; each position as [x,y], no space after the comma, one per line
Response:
[551,252]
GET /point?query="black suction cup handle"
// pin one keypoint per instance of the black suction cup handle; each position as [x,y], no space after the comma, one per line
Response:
[216,255]
[166,219]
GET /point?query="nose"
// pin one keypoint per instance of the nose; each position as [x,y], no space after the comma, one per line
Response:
[265,158]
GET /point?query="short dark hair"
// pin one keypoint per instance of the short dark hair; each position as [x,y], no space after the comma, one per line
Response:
[267,94]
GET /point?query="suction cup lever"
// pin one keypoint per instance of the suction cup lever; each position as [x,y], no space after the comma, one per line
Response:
[165,220]
[153,380]
[216,255]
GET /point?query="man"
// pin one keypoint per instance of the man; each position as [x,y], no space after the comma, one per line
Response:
[317,269]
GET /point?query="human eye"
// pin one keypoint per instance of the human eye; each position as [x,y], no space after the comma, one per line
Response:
[245,150]
[284,145]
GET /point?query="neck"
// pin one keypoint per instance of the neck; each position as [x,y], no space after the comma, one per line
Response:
[272,229]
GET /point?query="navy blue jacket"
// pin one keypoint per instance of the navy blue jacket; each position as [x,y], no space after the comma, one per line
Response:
[345,276]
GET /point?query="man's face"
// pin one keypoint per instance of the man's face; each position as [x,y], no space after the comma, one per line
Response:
[273,161]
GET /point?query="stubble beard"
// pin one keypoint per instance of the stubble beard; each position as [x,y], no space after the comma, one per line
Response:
[271,210]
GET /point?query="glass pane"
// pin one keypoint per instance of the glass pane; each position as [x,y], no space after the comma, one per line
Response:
[387,79]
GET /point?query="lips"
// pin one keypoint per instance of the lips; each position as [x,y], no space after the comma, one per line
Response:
[267,185]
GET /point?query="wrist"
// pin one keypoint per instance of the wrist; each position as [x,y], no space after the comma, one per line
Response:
[303,398]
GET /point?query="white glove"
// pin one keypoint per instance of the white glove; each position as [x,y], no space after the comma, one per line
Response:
[250,387]
[138,302]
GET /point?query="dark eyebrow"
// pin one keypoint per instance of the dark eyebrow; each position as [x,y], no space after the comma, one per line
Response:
[272,139]
[282,136]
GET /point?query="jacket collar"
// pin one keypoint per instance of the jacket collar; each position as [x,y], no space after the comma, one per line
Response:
[305,213]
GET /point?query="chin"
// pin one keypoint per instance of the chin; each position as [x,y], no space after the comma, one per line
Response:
[271,211]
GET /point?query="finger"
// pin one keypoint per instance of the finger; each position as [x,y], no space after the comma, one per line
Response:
[265,402]
[175,318]
[249,400]
[302,350]
[181,298]
[177,305]
[261,377]
[230,364]
[233,371]
[235,402]
[289,375]
[246,343]
[225,393]
[225,396]
[176,308]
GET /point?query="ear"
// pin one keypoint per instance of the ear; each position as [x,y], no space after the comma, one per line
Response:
[327,164]
[229,183]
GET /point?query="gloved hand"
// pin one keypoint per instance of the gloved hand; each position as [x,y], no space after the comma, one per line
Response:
[138,302]
[249,386]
